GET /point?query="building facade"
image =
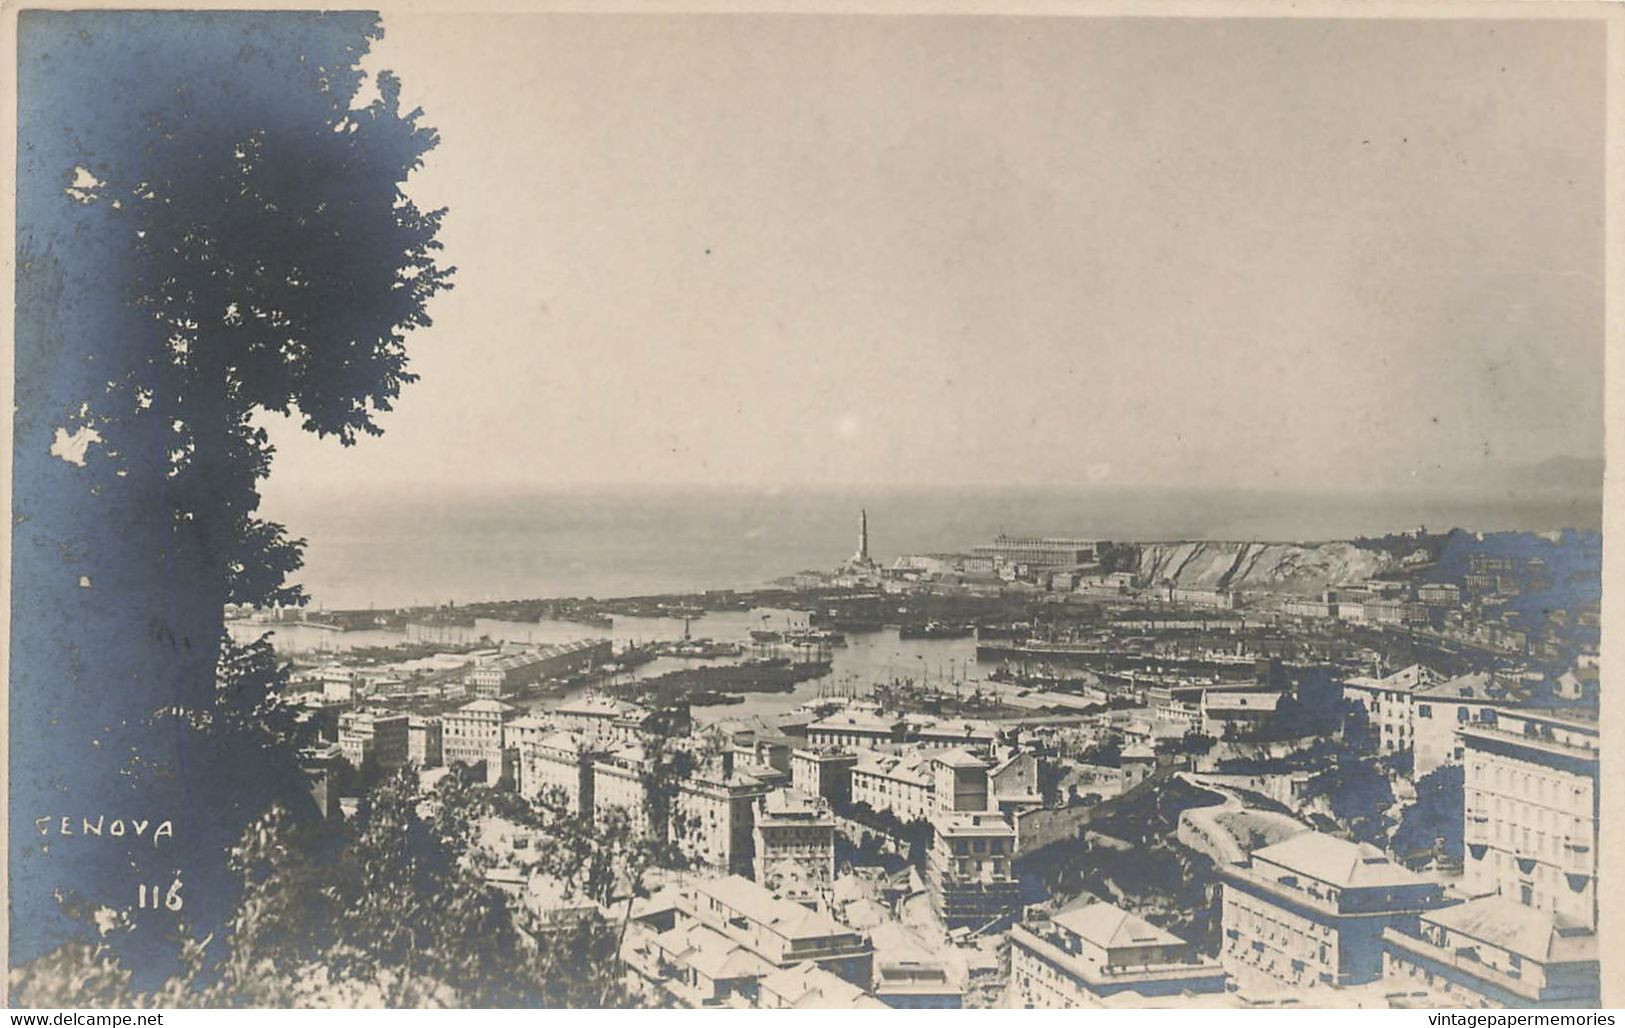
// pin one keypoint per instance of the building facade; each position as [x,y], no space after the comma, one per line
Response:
[794,851]
[902,785]
[1310,911]
[1081,957]
[472,733]
[367,734]
[425,741]
[1532,803]
[1493,952]
[824,771]
[558,761]
[713,816]
[970,869]
[1389,705]
[1443,708]
[620,784]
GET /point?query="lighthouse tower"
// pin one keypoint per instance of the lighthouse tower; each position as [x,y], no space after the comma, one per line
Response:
[862,556]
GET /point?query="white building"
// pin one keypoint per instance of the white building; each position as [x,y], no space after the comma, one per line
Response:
[1310,911]
[1532,802]
[794,835]
[1082,957]
[1442,708]
[1493,952]
[562,761]
[473,733]
[970,868]
[1389,705]
[903,785]
[619,783]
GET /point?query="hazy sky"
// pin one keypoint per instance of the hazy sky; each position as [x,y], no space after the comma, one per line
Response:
[998,250]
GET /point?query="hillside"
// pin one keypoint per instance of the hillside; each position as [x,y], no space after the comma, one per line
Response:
[1302,569]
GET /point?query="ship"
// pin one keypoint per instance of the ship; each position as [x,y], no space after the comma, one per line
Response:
[813,637]
[934,630]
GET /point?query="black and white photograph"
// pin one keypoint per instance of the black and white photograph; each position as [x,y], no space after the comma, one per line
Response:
[724,506]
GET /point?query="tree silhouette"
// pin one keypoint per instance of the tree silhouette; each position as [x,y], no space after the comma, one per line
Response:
[391,910]
[211,226]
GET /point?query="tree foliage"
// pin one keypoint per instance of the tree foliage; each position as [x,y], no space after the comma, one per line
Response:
[390,910]
[222,234]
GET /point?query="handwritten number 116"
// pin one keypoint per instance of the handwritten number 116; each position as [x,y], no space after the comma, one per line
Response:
[150,899]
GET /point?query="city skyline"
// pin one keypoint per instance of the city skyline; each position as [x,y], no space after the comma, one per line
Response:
[898,512]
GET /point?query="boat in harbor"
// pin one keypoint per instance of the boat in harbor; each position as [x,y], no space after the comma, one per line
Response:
[813,637]
[699,649]
[934,630]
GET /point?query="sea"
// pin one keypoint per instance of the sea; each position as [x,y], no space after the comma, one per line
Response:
[413,547]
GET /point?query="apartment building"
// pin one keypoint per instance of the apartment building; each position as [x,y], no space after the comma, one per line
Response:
[371,734]
[620,783]
[1082,957]
[1389,705]
[824,771]
[1531,797]
[1310,911]
[855,728]
[970,868]
[604,721]
[903,785]
[1227,712]
[1442,708]
[782,932]
[794,852]
[1493,952]
[559,761]
[472,733]
[713,815]
[425,741]
[952,732]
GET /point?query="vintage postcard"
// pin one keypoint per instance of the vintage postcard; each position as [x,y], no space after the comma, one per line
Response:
[886,508]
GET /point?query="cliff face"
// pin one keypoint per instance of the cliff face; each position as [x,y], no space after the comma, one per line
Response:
[1261,567]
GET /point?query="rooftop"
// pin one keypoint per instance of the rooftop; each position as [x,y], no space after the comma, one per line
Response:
[855,721]
[788,919]
[971,823]
[806,986]
[958,757]
[528,720]
[907,768]
[1509,925]
[561,740]
[790,802]
[1338,862]
[1266,701]
[1404,680]
[1479,687]
[1111,927]
[487,707]
[711,953]
[960,728]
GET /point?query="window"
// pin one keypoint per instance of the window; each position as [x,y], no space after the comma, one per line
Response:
[1424,710]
